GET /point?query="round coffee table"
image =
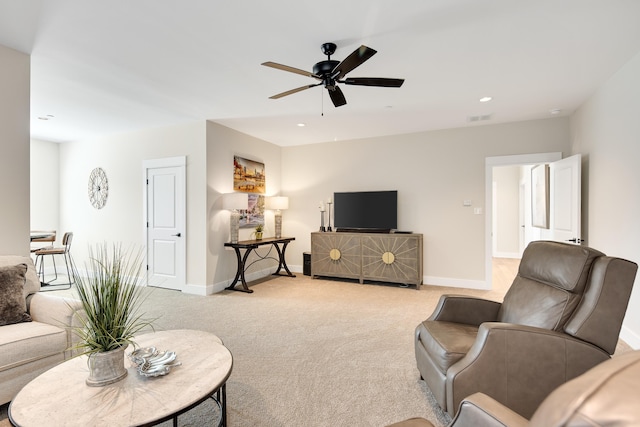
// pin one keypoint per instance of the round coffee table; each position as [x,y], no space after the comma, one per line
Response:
[60,396]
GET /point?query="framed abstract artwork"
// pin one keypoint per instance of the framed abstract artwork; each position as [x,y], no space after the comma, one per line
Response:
[248,176]
[254,215]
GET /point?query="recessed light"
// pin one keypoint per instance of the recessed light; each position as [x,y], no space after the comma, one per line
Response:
[486,99]
[302,125]
[555,111]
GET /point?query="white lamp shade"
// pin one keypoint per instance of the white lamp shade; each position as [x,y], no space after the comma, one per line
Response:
[233,201]
[278,202]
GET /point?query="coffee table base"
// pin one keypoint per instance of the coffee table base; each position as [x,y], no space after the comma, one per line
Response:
[219,418]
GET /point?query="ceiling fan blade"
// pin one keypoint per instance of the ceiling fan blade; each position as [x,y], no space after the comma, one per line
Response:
[373,81]
[292,91]
[337,97]
[290,69]
[352,61]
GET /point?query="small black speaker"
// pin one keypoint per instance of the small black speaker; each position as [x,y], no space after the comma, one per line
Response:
[306,267]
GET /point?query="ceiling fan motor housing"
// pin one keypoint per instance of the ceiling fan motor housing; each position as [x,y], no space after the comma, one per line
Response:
[324,69]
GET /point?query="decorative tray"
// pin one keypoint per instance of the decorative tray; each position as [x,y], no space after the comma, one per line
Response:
[153,363]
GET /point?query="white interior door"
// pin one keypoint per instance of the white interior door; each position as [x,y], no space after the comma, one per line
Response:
[565,199]
[165,217]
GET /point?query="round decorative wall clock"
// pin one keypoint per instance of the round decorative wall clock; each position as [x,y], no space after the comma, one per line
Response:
[98,188]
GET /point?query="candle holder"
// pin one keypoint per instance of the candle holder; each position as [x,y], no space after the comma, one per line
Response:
[322,228]
[329,216]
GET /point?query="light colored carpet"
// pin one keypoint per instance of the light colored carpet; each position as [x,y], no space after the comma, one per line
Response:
[311,352]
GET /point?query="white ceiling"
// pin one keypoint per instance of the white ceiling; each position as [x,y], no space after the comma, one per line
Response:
[103,67]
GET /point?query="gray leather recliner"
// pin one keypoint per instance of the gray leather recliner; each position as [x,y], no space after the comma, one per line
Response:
[561,316]
[604,396]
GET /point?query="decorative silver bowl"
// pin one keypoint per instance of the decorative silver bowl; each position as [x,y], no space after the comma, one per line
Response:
[153,363]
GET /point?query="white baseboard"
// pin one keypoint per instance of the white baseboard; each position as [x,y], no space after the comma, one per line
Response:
[189,288]
[630,337]
[214,288]
[456,283]
[298,269]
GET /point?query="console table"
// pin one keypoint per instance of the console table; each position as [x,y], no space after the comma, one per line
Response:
[395,258]
[248,246]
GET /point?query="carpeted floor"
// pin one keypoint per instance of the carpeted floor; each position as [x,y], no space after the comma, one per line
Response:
[311,352]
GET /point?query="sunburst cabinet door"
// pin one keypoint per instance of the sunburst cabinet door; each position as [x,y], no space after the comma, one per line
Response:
[336,255]
[395,258]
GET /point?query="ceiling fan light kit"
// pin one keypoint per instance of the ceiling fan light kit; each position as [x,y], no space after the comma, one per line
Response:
[331,72]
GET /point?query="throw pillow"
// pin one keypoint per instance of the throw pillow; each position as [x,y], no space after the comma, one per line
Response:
[13,306]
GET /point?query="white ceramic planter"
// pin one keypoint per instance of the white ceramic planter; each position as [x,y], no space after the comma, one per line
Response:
[106,367]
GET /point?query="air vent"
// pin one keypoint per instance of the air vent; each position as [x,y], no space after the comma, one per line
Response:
[479,118]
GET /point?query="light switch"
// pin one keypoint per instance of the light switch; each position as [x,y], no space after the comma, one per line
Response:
[466,203]
[477,211]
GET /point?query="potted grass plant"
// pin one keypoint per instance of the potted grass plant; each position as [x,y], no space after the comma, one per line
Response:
[111,299]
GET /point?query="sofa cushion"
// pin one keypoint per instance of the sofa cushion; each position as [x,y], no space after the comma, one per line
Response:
[557,264]
[13,305]
[550,282]
[25,342]
[32,284]
[535,304]
[447,342]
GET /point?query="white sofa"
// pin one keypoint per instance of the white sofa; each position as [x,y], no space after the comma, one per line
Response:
[29,348]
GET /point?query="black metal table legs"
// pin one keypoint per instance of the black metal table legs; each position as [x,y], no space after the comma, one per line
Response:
[249,246]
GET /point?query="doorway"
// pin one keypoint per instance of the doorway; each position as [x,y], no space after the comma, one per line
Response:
[559,191]
[490,164]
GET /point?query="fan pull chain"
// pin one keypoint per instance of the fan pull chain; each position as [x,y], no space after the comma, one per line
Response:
[321,103]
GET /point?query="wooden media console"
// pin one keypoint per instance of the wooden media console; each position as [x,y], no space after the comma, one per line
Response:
[394,258]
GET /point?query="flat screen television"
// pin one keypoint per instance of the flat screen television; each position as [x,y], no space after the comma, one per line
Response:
[367,211]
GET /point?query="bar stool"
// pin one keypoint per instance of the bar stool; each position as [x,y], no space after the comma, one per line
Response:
[53,251]
[42,240]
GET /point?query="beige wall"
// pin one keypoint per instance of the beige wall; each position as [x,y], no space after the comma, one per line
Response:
[222,144]
[434,172]
[606,130]
[14,159]
[45,186]
[209,149]
[506,217]
[121,220]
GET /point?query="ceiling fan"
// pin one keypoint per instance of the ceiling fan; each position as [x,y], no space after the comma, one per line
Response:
[331,72]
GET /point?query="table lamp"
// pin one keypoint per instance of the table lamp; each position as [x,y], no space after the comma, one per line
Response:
[234,202]
[278,203]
